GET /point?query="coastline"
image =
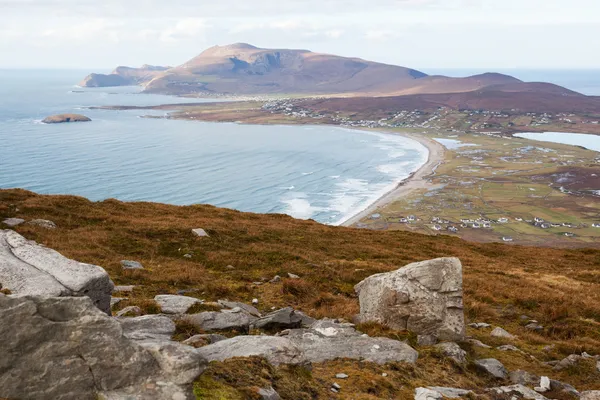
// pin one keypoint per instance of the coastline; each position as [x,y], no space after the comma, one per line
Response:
[416,180]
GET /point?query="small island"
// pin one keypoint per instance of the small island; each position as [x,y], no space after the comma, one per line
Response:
[63,118]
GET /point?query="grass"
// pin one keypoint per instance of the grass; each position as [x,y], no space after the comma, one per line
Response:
[558,287]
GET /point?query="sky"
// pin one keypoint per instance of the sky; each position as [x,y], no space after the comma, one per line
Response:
[421,34]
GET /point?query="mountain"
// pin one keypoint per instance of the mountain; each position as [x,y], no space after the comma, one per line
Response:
[123,76]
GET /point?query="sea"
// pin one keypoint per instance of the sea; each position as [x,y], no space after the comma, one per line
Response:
[311,172]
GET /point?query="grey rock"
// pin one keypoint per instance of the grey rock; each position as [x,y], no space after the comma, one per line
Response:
[246,307]
[42,223]
[115,300]
[174,304]
[590,395]
[148,327]
[480,325]
[492,367]
[307,321]
[131,311]
[544,385]
[336,386]
[453,352]
[277,350]
[128,264]
[285,318]
[200,232]
[150,390]
[204,339]
[509,347]
[534,327]
[518,390]
[180,364]
[426,340]
[525,378]
[268,394]
[123,289]
[230,267]
[275,279]
[427,394]
[501,333]
[478,343]
[424,297]
[567,362]
[12,222]
[451,393]
[341,376]
[220,321]
[293,276]
[27,268]
[558,386]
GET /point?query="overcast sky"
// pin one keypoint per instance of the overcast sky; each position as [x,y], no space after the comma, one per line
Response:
[423,34]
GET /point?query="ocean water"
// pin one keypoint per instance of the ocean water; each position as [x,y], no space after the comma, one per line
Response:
[591,142]
[324,173]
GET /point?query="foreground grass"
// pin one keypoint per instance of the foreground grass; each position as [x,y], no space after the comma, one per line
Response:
[558,287]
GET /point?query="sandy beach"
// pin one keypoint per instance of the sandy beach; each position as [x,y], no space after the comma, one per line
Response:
[417,180]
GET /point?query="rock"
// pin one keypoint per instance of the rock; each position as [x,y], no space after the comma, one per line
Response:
[567,362]
[544,385]
[424,297]
[534,327]
[65,348]
[426,340]
[525,378]
[12,222]
[598,366]
[277,350]
[549,348]
[174,304]
[115,300]
[480,325]
[478,343]
[501,333]
[62,118]
[230,267]
[148,327]
[268,394]
[276,279]
[427,394]
[341,376]
[247,308]
[27,268]
[220,321]
[336,386]
[590,395]
[180,363]
[123,289]
[492,367]
[508,347]
[285,318]
[520,390]
[453,352]
[203,340]
[131,311]
[254,301]
[187,256]
[328,340]
[200,232]
[293,276]
[42,223]
[558,386]
[127,264]
[150,390]
[306,320]
[450,393]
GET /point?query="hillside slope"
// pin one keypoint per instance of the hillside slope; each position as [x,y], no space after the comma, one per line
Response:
[123,76]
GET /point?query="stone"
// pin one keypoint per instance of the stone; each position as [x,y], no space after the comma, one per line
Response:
[220,321]
[268,394]
[150,390]
[590,395]
[328,340]
[128,264]
[453,352]
[174,304]
[450,393]
[27,268]
[520,377]
[523,391]
[293,276]
[65,348]
[427,394]
[204,339]
[480,325]
[230,267]
[336,386]
[492,367]
[341,376]
[558,386]
[567,362]
[115,300]
[180,363]
[276,350]
[426,340]
[424,297]
[544,385]
[123,289]
[534,327]
[306,320]
[12,222]
[200,232]
[501,333]
[65,118]
[478,343]
[276,279]
[285,318]
[148,327]
[247,308]
[254,301]
[509,347]
[42,223]
[130,311]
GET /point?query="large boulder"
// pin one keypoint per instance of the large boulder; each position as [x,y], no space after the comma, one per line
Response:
[27,268]
[424,297]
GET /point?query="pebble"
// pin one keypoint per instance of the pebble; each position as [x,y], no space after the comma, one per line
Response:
[341,376]
[293,276]
[254,301]
[336,386]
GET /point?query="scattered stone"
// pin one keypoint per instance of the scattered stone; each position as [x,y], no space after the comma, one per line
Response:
[277,350]
[200,232]
[509,347]
[549,348]
[293,276]
[567,362]
[590,395]
[306,320]
[27,268]
[42,223]
[220,321]
[450,393]
[128,264]
[453,352]
[268,394]
[234,310]
[480,325]
[247,308]
[173,304]
[424,297]
[254,301]
[115,300]
[65,118]
[123,288]
[426,340]
[187,256]
[384,374]
[520,377]
[131,311]
[544,385]
[336,386]
[334,390]
[204,340]
[501,333]
[148,327]
[12,222]
[341,376]
[534,327]
[230,267]
[478,343]
[285,318]
[520,390]
[492,367]
[276,279]
[427,394]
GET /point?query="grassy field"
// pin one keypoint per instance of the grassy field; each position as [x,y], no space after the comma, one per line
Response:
[558,287]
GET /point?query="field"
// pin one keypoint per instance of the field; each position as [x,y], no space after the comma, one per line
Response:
[558,287]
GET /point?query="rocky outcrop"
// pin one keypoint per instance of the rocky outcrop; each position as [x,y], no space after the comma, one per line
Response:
[63,118]
[27,268]
[123,76]
[424,297]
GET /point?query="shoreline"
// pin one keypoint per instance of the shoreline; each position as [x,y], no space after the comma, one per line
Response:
[416,180]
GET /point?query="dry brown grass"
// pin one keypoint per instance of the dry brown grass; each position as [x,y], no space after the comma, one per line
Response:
[557,287]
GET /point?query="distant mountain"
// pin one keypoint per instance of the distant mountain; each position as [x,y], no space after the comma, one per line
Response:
[123,76]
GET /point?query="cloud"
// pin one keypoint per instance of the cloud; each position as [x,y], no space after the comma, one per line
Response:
[184,29]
